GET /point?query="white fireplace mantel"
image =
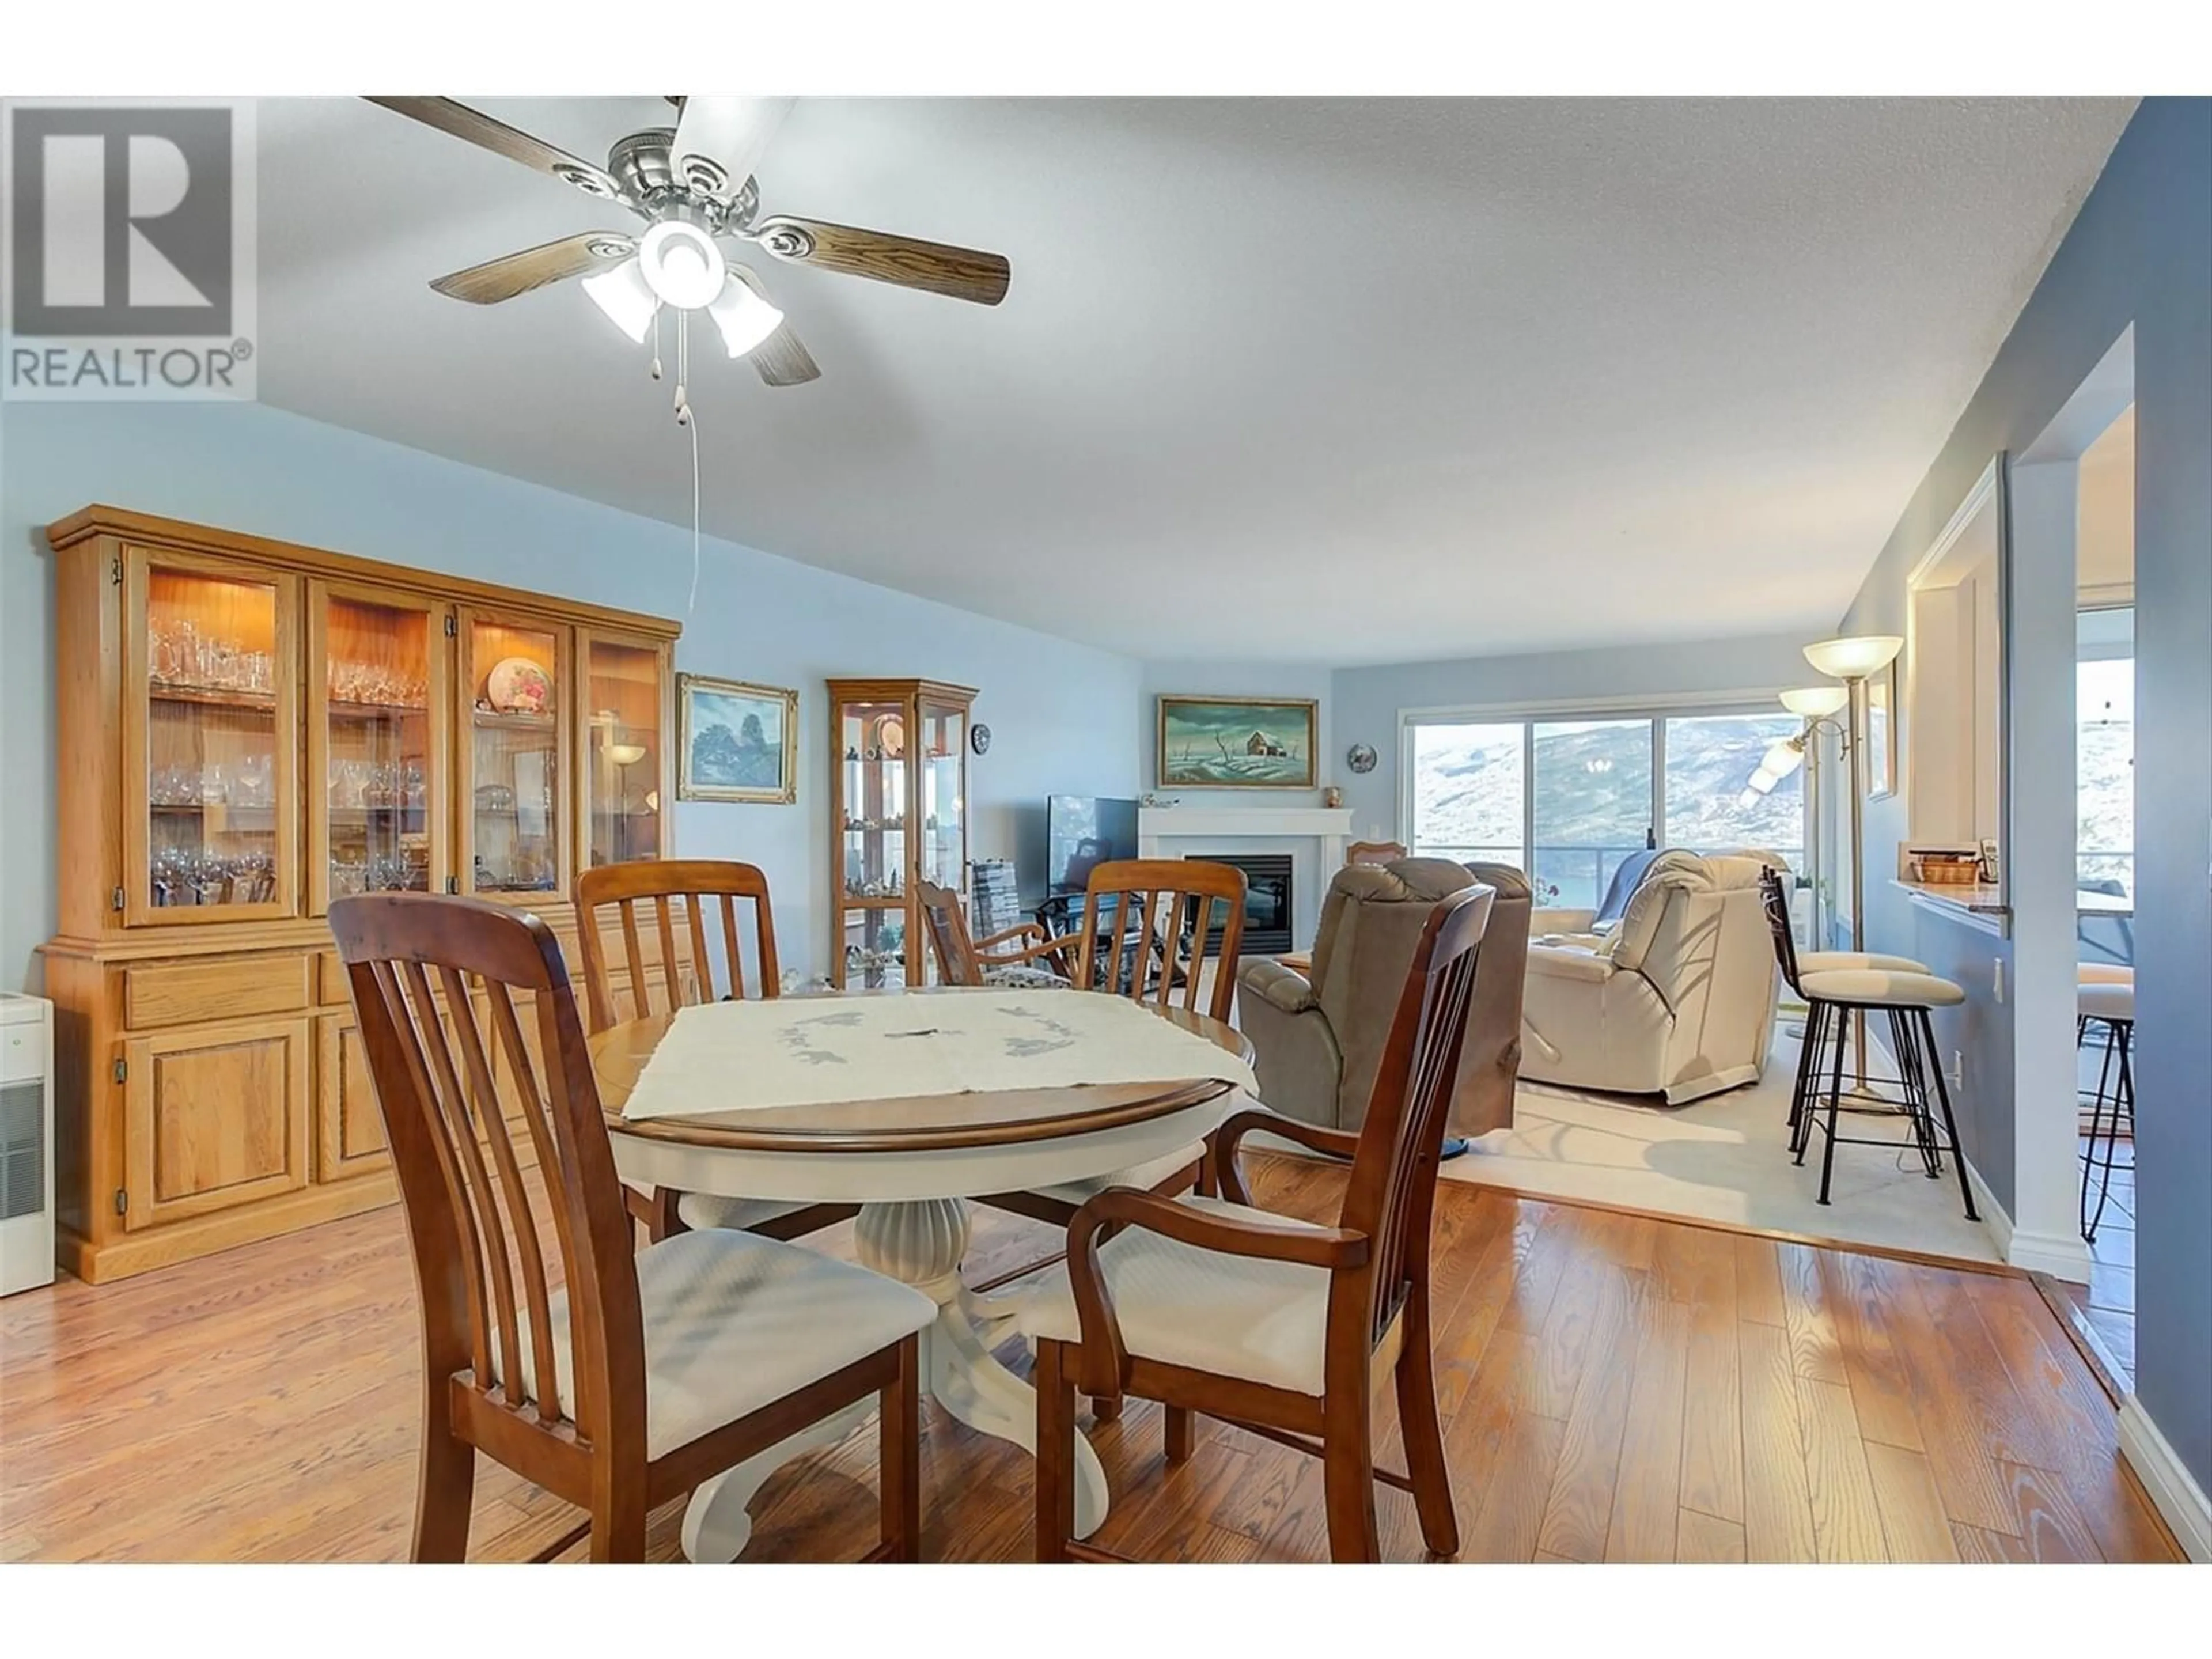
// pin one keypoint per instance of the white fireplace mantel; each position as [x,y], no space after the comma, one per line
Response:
[1330,825]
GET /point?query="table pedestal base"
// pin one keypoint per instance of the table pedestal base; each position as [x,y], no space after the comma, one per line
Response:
[919,1243]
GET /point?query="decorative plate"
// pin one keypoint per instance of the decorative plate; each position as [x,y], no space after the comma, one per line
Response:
[979,738]
[1360,757]
[519,686]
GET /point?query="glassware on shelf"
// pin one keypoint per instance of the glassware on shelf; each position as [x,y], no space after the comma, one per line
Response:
[377,685]
[182,875]
[181,657]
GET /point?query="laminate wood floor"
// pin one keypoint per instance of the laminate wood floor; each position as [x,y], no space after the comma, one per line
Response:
[1613,1388]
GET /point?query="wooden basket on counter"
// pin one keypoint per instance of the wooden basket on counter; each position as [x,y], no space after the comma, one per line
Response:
[1947,869]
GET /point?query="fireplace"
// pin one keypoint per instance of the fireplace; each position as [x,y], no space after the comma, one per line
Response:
[1267,901]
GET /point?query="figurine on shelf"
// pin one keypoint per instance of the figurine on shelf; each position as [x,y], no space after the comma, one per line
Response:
[852,753]
[874,753]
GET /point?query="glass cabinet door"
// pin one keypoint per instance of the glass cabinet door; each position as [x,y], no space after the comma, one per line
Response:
[515,747]
[625,743]
[377,664]
[944,802]
[875,858]
[210,729]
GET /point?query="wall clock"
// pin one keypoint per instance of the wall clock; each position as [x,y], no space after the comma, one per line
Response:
[1360,757]
[979,738]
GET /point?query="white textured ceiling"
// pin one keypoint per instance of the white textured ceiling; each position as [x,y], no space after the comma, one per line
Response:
[1344,380]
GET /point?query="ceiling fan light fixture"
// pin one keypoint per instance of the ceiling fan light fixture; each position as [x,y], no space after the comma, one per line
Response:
[744,317]
[682,263]
[623,295]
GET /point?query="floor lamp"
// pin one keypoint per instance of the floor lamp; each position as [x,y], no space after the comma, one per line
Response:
[1854,659]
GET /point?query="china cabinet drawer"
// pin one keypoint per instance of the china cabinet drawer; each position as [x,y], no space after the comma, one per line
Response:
[185,993]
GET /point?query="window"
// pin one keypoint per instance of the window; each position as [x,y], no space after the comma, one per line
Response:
[1568,798]
[2105,751]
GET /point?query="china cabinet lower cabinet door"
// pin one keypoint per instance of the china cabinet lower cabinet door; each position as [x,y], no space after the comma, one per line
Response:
[214,1116]
[348,1129]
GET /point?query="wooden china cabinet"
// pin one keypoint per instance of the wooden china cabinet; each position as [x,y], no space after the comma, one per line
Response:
[898,813]
[249,730]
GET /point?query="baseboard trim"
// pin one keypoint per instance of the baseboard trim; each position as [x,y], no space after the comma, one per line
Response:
[2170,1485]
[2066,1258]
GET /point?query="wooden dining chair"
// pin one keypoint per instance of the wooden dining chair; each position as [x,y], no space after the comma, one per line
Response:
[1008,958]
[686,976]
[958,964]
[1374,851]
[1272,1324]
[614,1378]
[1186,892]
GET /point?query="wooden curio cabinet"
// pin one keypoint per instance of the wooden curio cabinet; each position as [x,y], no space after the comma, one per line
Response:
[898,814]
[251,731]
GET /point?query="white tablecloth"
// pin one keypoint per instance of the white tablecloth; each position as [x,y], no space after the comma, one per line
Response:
[812,1051]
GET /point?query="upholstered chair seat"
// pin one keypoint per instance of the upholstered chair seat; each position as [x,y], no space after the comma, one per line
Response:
[2106,999]
[743,1214]
[1882,988]
[1830,962]
[734,1321]
[1147,1175]
[1182,1304]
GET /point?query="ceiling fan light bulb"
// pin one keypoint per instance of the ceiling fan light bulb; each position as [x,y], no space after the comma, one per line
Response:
[682,263]
[622,294]
[744,317]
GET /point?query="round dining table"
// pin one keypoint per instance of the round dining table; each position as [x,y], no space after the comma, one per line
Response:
[911,1165]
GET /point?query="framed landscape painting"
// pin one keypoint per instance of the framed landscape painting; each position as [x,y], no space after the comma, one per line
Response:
[740,742]
[1238,743]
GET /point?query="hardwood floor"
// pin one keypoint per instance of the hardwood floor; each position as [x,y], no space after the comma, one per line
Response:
[1614,1387]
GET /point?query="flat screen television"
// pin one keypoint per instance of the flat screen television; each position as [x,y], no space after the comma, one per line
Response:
[1084,830]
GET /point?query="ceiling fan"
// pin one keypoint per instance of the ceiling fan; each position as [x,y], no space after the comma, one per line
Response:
[693,186]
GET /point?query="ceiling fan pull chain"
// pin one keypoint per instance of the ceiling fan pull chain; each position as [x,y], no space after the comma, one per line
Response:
[656,343]
[683,367]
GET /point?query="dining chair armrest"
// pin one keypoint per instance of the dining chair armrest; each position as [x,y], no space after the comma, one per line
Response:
[1028,930]
[1228,1138]
[1106,1357]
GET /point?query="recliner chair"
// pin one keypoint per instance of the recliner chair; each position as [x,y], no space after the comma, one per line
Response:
[1677,1000]
[1320,1038]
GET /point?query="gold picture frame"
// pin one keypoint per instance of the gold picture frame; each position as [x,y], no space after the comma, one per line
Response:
[736,741]
[1236,743]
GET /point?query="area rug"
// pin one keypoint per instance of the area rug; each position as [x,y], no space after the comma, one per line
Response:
[1725,1158]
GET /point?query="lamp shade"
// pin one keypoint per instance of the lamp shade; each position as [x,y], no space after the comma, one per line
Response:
[744,317]
[622,294]
[1815,702]
[1785,756]
[1856,656]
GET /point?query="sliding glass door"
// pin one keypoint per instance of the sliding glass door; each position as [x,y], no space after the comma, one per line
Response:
[1567,799]
[1469,791]
[1592,805]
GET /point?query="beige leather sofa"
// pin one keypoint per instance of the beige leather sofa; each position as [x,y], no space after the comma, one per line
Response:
[1319,1039]
[1676,1001]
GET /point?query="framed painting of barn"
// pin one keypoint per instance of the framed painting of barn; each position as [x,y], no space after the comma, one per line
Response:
[1238,743]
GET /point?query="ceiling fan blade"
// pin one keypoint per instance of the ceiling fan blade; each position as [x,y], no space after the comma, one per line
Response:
[720,141]
[517,273]
[960,273]
[476,128]
[780,359]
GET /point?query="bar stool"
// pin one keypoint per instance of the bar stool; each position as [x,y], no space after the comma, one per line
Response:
[2109,1002]
[1794,964]
[1907,999]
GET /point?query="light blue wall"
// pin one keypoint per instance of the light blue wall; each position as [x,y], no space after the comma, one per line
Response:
[1060,713]
[2139,251]
[1367,701]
